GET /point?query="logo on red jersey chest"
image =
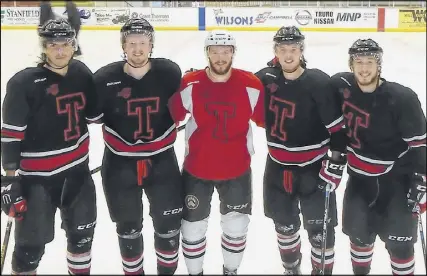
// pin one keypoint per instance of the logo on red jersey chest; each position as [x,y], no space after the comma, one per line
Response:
[125,93]
[53,89]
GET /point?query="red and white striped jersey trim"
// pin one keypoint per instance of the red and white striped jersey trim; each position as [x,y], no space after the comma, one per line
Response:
[119,146]
[369,166]
[416,141]
[11,133]
[298,156]
[49,163]
[336,125]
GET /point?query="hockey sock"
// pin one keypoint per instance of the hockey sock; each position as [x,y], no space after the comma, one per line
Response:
[290,249]
[194,254]
[361,258]
[79,264]
[167,246]
[232,251]
[132,249]
[316,260]
[404,264]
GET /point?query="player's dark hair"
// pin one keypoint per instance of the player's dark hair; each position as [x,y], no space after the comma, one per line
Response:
[55,29]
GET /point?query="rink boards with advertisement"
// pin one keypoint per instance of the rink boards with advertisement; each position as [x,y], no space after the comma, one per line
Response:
[374,19]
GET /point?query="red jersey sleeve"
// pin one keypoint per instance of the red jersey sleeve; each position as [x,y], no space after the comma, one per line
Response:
[180,102]
[258,115]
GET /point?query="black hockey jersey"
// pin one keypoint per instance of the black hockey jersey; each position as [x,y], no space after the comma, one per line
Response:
[382,126]
[302,116]
[44,130]
[137,122]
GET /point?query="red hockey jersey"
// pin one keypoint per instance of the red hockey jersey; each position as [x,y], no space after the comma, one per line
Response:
[218,134]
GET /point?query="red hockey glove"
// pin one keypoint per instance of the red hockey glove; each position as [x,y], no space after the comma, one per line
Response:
[12,201]
[416,194]
[332,170]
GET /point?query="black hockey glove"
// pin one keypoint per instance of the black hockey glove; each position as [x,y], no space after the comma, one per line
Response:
[416,203]
[332,170]
[273,63]
[12,201]
[190,70]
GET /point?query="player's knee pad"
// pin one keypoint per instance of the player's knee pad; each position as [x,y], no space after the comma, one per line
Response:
[128,230]
[402,251]
[130,239]
[315,237]
[26,259]
[80,239]
[166,246]
[78,244]
[286,230]
[235,224]
[193,231]
[167,241]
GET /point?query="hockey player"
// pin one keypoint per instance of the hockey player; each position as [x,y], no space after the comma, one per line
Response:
[45,140]
[46,13]
[139,135]
[303,121]
[221,100]
[386,161]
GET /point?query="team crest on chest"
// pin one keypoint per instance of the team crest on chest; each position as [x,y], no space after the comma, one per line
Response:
[346,93]
[272,87]
[53,89]
[125,93]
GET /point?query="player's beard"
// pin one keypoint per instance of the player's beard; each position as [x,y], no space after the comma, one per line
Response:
[368,80]
[220,69]
[291,68]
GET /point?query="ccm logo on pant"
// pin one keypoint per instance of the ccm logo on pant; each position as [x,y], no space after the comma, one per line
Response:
[86,226]
[172,212]
[237,207]
[400,239]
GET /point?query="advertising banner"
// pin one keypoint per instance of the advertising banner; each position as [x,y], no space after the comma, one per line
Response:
[308,19]
[106,18]
[20,16]
[336,18]
[247,18]
[412,19]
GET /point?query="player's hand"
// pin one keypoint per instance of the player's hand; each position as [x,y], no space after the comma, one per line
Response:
[12,201]
[416,194]
[332,171]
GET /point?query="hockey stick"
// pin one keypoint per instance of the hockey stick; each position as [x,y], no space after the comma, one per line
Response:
[325,228]
[423,241]
[6,241]
[5,244]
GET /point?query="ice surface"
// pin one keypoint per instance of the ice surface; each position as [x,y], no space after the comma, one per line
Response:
[404,62]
